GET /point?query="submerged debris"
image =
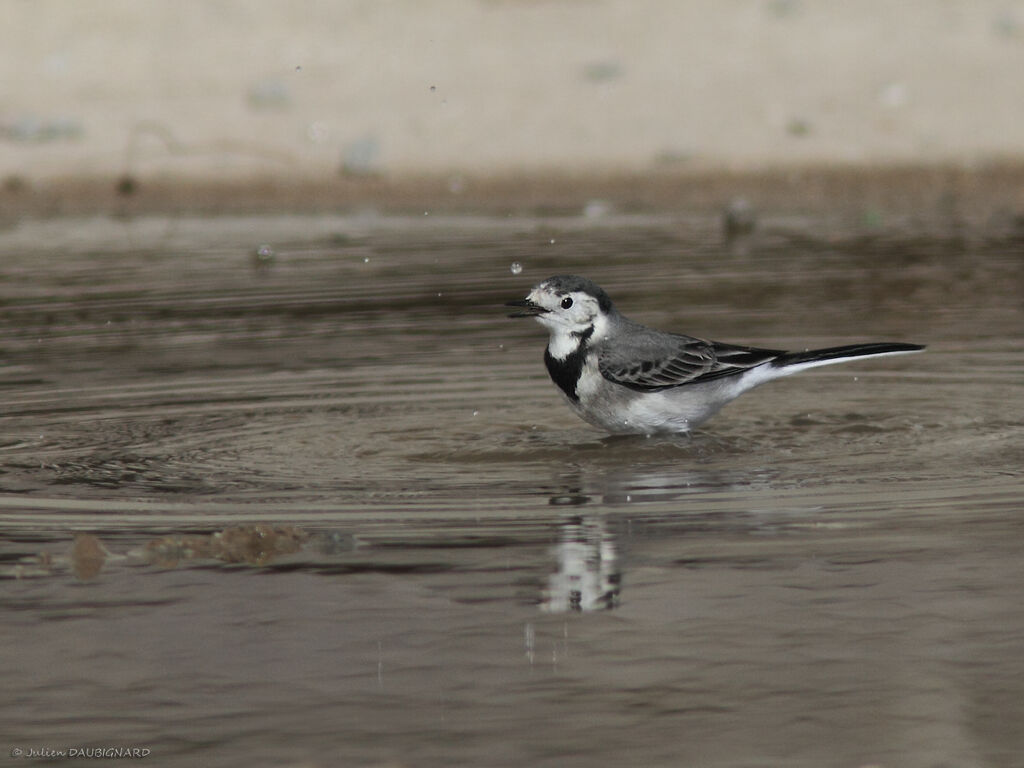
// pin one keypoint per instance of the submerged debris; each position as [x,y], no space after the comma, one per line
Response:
[169,551]
[252,544]
[86,559]
[33,567]
[257,544]
[88,556]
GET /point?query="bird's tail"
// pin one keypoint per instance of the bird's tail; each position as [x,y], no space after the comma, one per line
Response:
[792,362]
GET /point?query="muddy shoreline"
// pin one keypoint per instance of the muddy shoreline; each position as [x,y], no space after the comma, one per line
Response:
[941,191]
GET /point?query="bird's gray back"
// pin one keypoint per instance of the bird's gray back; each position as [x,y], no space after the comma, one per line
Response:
[643,358]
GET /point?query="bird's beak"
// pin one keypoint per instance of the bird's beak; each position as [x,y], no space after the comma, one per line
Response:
[527,308]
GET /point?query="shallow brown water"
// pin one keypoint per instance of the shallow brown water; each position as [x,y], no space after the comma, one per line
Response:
[337,515]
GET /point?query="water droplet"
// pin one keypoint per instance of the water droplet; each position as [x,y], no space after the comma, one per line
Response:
[516,268]
[263,257]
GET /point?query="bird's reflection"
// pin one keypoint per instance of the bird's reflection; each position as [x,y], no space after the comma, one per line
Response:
[587,574]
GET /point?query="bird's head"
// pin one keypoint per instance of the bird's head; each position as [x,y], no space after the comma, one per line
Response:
[568,306]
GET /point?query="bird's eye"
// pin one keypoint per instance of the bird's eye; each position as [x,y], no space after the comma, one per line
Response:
[566,302]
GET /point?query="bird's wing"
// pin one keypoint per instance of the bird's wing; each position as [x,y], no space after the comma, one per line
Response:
[654,361]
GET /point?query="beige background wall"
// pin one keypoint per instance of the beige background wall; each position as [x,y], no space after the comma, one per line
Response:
[302,89]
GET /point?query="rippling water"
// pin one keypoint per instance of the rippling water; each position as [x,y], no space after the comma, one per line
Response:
[318,504]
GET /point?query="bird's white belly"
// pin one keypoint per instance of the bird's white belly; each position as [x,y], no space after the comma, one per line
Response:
[623,410]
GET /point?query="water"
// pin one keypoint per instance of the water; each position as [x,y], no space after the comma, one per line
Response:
[293,491]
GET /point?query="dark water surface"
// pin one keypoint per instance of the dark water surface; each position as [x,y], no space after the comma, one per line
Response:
[324,508]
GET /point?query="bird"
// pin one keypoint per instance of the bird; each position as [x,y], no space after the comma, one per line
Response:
[626,378]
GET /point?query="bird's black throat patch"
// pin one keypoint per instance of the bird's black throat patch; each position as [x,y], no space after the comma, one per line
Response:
[566,372]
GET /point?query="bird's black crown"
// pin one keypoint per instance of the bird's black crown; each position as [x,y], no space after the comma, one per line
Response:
[574,283]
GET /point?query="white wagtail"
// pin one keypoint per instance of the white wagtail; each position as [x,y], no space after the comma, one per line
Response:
[626,378]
